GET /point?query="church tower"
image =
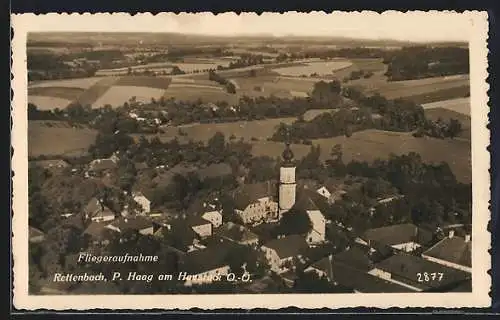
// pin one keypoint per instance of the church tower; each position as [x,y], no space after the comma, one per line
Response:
[287,188]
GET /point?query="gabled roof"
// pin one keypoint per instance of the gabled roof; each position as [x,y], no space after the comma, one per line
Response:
[195,220]
[131,223]
[93,206]
[75,221]
[364,282]
[98,230]
[105,212]
[309,199]
[236,232]
[289,246]
[392,235]
[356,257]
[199,261]
[406,267]
[324,265]
[455,250]
[250,193]
[34,232]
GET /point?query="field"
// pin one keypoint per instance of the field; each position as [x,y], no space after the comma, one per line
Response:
[144,81]
[70,141]
[369,145]
[82,83]
[265,81]
[320,68]
[117,95]
[67,93]
[445,114]
[434,88]
[460,105]
[48,103]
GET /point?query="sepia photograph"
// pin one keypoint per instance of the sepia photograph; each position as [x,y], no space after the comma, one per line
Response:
[334,158]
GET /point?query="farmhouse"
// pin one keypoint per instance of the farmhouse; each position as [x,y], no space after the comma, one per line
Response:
[204,266]
[101,167]
[305,202]
[280,253]
[98,234]
[417,273]
[238,234]
[453,252]
[202,227]
[322,267]
[213,215]
[255,203]
[401,237]
[97,212]
[134,224]
[143,201]
[36,235]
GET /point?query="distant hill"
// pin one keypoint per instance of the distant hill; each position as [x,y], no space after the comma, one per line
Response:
[110,38]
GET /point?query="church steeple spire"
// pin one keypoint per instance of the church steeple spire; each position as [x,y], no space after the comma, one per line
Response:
[287,153]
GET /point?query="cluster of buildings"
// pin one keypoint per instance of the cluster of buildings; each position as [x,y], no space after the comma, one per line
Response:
[397,258]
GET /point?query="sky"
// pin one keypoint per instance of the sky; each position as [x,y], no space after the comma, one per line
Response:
[416,26]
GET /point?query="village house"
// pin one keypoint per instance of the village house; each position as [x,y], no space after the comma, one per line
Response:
[213,215]
[50,164]
[255,203]
[98,234]
[101,167]
[401,237]
[322,267]
[96,211]
[452,251]
[317,233]
[137,224]
[416,273]
[203,266]
[280,253]
[36,235]
[238,234]
[143,201]
[202,227]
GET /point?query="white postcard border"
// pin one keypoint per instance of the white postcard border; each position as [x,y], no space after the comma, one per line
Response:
[481,281]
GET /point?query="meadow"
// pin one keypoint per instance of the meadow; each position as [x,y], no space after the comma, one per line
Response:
[116,96]
[48,103]
[70,141]
[82,83]
[68,93]
[370,145]
[460,105]
[320,68]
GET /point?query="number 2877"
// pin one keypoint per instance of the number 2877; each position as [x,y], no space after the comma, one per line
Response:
[429,276]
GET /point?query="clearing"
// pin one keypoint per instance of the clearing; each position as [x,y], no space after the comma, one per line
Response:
[90,96]
[369,145]
[68,93]
[320,68]
[48,103]
[70,141]
[259,129]
[82,83]
[116,96]
[144,81]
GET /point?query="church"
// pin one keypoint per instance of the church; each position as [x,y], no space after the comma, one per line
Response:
[267,201]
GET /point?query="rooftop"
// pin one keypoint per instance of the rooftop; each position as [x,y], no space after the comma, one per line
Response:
[455,250]
[397,234]
[132,223]
[199,261]
[288,246]
[98,231]
[250,193]
[236,232]
[356,257]
[406,267]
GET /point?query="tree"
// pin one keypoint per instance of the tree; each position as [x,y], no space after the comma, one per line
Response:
[217,144]
[295,221]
